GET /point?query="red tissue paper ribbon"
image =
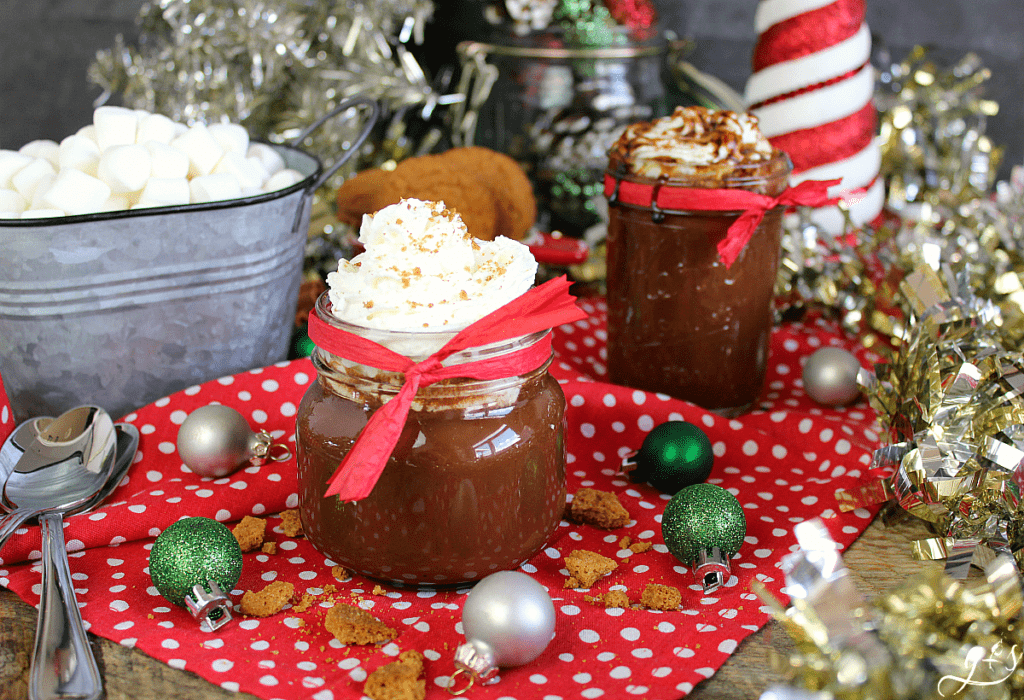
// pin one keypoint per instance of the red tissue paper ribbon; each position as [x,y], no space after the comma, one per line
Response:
[811,193]
[540,308]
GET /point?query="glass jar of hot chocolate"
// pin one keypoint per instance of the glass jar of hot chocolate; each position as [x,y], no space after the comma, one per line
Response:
[682,321]
[476,483]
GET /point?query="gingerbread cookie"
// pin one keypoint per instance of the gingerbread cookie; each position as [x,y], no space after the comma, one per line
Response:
[398,680]
[598,508]
[352,625]
[270,601]
[586,567]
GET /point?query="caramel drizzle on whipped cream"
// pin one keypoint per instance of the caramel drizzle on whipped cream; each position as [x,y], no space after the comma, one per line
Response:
[691,141]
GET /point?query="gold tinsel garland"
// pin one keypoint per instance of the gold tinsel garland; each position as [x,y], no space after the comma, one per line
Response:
[940,284]
[939,167]
[951,403]
[927,639]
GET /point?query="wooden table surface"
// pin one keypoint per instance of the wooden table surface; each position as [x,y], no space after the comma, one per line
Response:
[879,560]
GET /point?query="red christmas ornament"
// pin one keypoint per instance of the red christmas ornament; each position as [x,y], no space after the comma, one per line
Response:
[812,90]
[634,14]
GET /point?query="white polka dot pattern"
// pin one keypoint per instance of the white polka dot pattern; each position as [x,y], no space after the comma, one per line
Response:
[784,461]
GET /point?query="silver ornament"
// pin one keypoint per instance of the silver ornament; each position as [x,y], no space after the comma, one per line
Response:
[215,441]
[508,619]
[830,376]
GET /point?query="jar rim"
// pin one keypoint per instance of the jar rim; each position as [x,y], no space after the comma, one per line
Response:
[741,176]
[432,338]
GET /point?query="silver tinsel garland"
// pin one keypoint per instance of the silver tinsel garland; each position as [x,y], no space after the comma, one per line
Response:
[273,66]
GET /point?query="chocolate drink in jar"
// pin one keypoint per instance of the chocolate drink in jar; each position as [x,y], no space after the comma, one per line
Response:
[474,479]
[680,320]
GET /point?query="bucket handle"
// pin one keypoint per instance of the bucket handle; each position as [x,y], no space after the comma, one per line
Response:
[363,135]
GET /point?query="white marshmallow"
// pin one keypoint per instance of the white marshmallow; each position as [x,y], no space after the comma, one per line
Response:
[280,180]
[115,126]
[12,202]
[165,192]
[10,163]
[125,168]
[251,191]
[166,162]
[155,127]
[9,215]
[116,202]
[76,193]
[41,213]
[132,198]
[80,153]
[39,190]
[271,159]
[214,188]
[27,179]
[88,131]
[180,129]
[233,138]
[248,171]
[202,150]
[258,165]
[42,148]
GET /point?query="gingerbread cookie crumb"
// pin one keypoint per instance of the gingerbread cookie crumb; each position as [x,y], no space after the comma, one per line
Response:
[615,599]
[659,597]
[269,548]
[398,680]
[305,604]
[352,625]
[624,542]
[249,533]
[267,602]
[291,523]
[378,590]
[586,567]
[341,573]
[638,547]
[598,508]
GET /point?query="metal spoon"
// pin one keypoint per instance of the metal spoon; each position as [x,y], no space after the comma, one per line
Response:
[62,663]
[52,472]
[64,468]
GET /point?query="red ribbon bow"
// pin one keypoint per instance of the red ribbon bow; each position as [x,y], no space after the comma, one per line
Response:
[811,193]
[540,308]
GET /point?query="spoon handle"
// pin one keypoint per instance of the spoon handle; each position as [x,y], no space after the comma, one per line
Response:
[63,665]
[12,521]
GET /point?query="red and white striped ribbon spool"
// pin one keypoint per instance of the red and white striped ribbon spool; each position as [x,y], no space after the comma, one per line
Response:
[811,89]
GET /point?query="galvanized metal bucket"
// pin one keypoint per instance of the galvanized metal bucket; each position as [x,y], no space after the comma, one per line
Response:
[122,308]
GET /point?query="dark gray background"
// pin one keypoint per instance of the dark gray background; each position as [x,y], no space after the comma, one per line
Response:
[46,46]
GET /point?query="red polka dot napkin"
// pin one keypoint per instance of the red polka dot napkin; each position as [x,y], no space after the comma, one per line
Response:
[783,462]
[6,416]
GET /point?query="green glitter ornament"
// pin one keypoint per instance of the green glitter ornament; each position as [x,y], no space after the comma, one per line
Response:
[301,345]
[673,456]
[192,563]
[703,525]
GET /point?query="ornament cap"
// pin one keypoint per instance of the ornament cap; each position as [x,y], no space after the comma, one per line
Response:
[711,569]
[629,465]
[476,658]
[204,604]
[262,449]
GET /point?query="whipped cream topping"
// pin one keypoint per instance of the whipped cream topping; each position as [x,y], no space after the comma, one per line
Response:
[692,140]
[423,271]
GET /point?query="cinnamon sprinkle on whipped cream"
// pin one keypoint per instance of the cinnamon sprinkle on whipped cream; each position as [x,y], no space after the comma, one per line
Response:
[691,141]
[422,270]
